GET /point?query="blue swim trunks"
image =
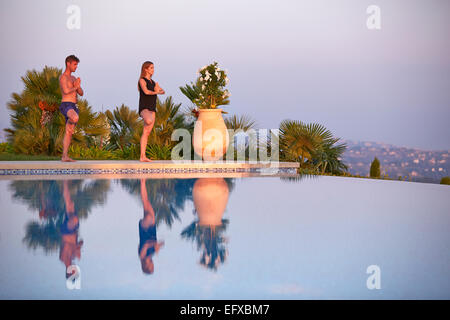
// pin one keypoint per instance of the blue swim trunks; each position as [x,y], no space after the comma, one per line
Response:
[66,106]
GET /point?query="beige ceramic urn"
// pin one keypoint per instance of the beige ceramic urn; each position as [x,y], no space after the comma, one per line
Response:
[211,137]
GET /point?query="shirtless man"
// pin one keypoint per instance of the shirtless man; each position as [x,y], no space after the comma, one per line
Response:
[70,243]
[70,87]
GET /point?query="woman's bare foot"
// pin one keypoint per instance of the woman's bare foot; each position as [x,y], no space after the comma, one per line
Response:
[145,159]
[67,159]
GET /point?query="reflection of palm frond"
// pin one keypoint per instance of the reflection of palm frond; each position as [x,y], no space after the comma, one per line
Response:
[166,196]
[44,235]
[38,194]
[231,182]
[299,177]
[210,240]
[89,195]
[46,197]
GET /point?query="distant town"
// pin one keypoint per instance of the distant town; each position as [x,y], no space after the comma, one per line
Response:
[408,163]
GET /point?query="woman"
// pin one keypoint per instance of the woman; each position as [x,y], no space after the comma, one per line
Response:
[148,89]
[148,243]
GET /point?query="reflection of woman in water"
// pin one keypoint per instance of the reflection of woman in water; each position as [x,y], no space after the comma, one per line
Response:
[148,244]
[70,246]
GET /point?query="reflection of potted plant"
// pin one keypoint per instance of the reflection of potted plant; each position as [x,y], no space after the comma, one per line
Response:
[210,197]
[210,139]
[210,200]
[210,240]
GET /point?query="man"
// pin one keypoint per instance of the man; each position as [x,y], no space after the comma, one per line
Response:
[70,244]
[70,87]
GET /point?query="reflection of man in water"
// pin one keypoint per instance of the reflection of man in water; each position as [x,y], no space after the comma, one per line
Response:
[70,246]
[148,244]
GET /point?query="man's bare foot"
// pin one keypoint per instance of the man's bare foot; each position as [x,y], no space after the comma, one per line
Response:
[145,159]
[67,159]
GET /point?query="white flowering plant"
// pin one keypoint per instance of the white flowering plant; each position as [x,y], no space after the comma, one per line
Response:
[209,91]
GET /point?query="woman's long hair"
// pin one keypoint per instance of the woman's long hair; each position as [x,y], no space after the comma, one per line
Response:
[145,65]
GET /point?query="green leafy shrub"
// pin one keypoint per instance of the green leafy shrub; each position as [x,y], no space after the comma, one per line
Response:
[131,152]
[5,147]
[37,125]
[158,152]
[92,153]
[312,145]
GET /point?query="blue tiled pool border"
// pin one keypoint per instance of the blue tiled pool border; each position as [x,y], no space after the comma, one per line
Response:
[14,172]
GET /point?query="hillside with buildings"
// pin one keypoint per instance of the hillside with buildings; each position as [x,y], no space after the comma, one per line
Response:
[415,164]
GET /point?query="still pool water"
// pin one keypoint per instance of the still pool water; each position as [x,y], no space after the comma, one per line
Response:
[216,238]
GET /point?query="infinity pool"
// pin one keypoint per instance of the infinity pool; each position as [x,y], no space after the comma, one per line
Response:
[223,238]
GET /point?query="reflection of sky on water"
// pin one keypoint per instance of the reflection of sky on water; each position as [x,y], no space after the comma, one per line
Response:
[313,238]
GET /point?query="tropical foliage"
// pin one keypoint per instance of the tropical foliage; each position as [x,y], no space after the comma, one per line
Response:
[243,122]
[37,128]
[125,127]
[240,126]
[169,118]
[126,130]
[312,145]
[6,147]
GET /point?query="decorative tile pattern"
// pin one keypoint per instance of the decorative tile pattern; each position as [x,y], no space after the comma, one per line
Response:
[6,172]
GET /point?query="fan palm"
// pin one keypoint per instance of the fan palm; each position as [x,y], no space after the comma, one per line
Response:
[243,123]
[168,118]
[299,140]
[311,142]
[328,157]
[240,124]
[30,134]
[125,127]
[42,87]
